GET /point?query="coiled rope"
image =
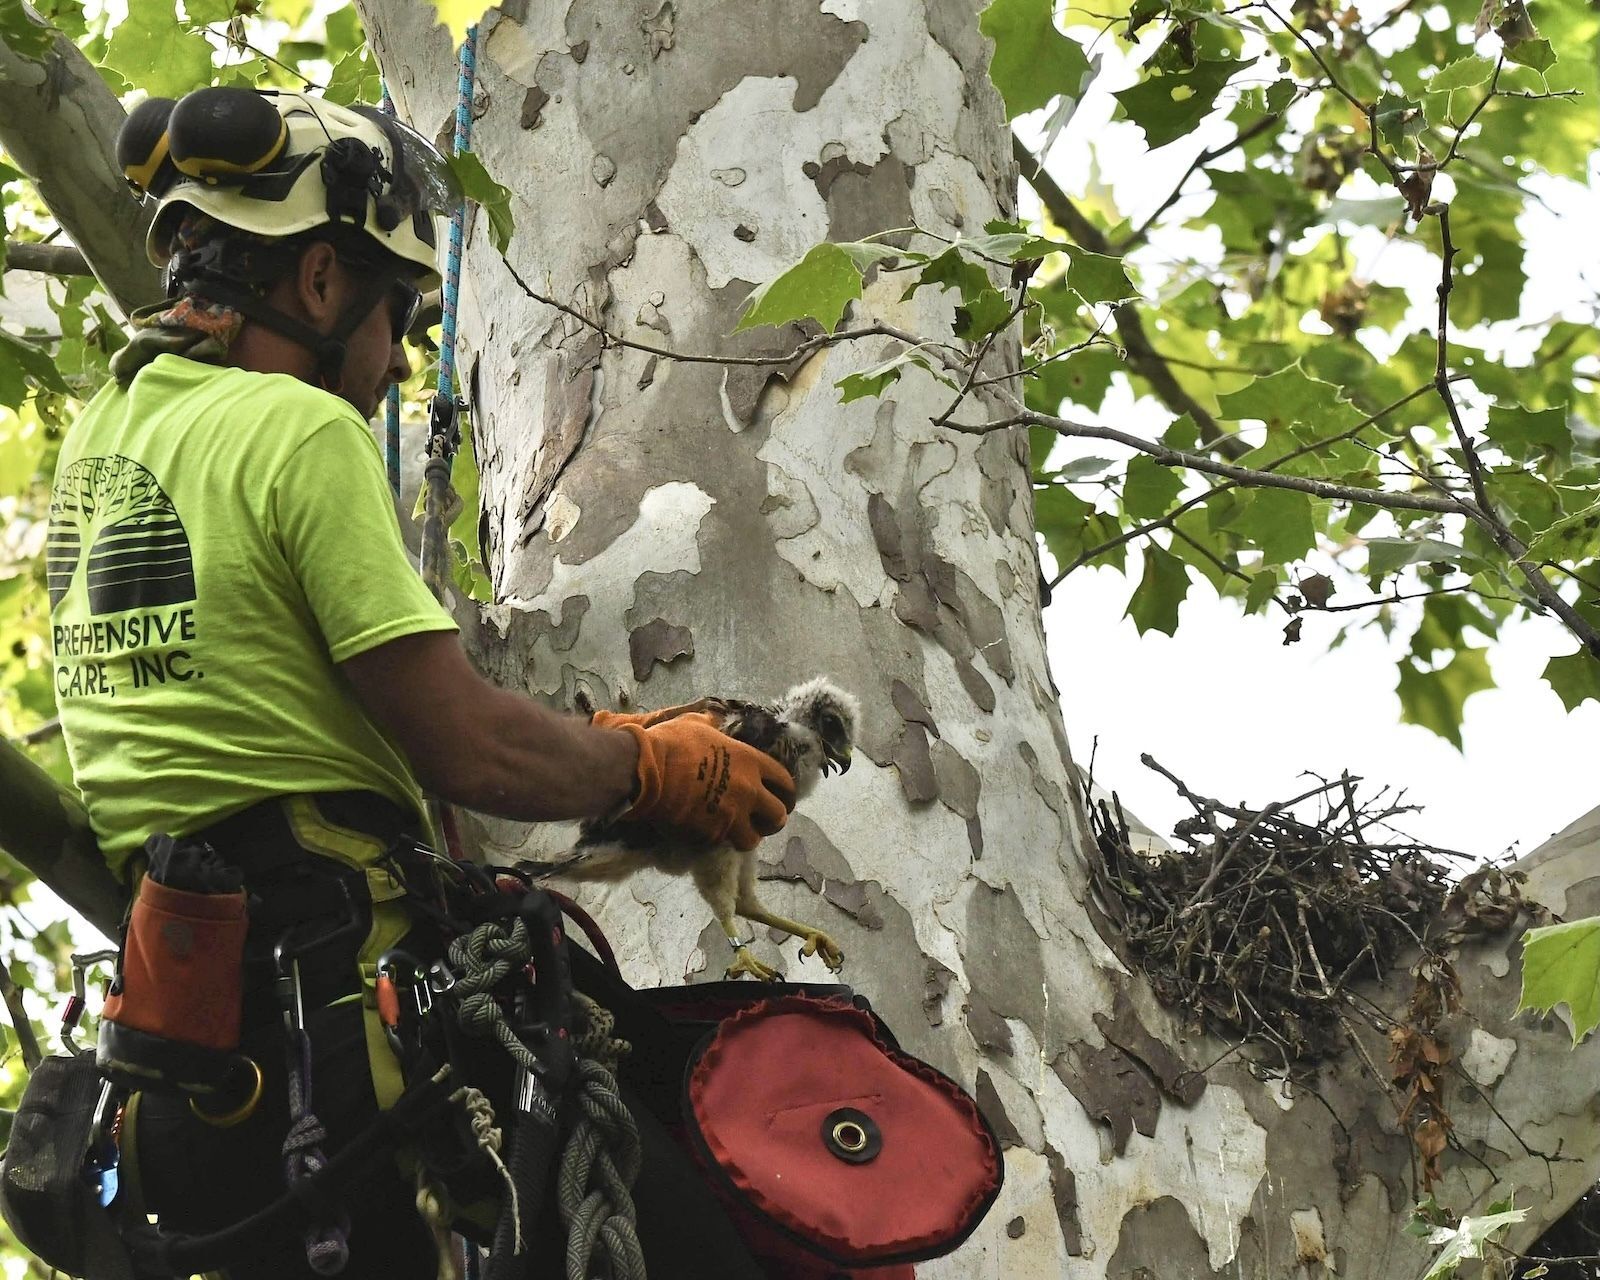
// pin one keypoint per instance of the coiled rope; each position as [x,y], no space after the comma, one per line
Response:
[603,1154]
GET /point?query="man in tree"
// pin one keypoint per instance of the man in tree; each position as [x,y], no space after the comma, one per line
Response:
[244,655]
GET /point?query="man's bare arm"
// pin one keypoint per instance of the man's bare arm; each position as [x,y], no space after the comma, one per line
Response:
[482,747]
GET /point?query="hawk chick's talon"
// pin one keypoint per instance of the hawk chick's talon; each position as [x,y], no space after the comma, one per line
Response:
[744,962]
[824,947]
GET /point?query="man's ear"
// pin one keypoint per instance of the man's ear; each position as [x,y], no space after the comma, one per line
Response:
[316,283]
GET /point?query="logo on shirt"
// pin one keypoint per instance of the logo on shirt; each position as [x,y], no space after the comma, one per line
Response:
[136,574]
[138,552]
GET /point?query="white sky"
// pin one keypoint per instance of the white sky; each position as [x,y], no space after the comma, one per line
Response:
[1224,704]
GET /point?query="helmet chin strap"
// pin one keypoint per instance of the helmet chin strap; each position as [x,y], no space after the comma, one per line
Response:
[327,349]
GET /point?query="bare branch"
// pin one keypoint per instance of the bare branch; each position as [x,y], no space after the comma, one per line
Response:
[51,259]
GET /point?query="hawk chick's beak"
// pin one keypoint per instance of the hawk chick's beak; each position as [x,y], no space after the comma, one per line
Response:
[838,757]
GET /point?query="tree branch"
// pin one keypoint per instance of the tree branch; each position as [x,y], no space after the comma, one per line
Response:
[51,259]
[1143,358]
[59,121]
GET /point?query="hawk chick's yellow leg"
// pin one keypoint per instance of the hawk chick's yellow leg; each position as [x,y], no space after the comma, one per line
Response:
[744,960]
[815,941]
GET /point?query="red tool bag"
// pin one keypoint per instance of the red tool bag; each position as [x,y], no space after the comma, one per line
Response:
[832,1152]
[832,1149]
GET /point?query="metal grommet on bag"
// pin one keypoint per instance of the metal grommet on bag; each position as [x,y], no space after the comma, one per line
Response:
[851,1135]
[239,1114]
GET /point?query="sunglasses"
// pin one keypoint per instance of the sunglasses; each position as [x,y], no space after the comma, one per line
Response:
[405,301]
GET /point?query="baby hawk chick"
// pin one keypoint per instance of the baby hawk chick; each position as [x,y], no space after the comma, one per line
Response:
[810,731]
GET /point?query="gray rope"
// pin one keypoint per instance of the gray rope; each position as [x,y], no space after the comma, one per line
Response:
[603,1155]
[601,1160]
[485,957]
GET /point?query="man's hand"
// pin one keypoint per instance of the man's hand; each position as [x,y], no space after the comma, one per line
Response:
[694,777]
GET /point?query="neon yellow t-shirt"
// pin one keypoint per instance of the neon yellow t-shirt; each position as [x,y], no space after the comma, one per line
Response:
[219,539]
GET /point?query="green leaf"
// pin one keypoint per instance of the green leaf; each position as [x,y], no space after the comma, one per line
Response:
[1561,965]
[1575,677]
[1538,54]
[874,381]
[1168,106]
[1280,522]
[495,200]
[152,52]
[1155,601]
[354,79]
[1290,395]
[977,319]
[1149,489]
[457,15]
[1434,699]
[1467,1240]
[20,33]
[1072,527]
[1385,555]
[20,362]
[1399,119]
[1032,62]
[1524,432]
[1261,590]
[1463,73]
[1094,277]
[950,270]
[819,287]
[1569,540]
[868,253]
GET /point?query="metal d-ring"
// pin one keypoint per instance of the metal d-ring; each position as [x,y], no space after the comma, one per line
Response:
[240,1113]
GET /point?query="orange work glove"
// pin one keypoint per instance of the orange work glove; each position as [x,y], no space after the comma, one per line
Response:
[616,719]
[696,778]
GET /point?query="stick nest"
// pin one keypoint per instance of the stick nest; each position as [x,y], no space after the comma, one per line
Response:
[1260,922]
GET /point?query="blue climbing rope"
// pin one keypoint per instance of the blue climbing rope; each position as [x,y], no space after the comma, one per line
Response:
[444,426]
[465,76]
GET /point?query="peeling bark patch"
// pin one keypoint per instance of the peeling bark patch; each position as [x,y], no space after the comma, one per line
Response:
[886,533]
[1112,1087]
[533,102]
[1124,1030]
[858,899]
[658,641]
[795,866]
[975,837]
[935,986]
[659,28]
[914,764]
[994,1111]
[1064,1191]
[827,173]
[1309,1244]
[989,1030]
[958,782]
[910,706]
[978,689]
[567,401]
[1158,1242]
[580,52]
[1004,958]
[1016,1228]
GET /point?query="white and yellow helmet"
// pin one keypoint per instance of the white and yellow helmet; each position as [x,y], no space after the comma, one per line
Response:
[278,163]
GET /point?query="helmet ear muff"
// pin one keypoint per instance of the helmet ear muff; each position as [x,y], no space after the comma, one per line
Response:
[143,153]
[223,135]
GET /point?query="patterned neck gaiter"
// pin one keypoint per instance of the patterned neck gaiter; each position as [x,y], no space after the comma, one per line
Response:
[188,325]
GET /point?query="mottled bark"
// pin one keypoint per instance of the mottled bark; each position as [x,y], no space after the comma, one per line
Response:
[656,530]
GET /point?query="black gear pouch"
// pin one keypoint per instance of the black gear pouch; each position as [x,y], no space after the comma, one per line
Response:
[45,1196]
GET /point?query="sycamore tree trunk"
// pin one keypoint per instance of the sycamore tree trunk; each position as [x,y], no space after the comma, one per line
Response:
[657,529]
